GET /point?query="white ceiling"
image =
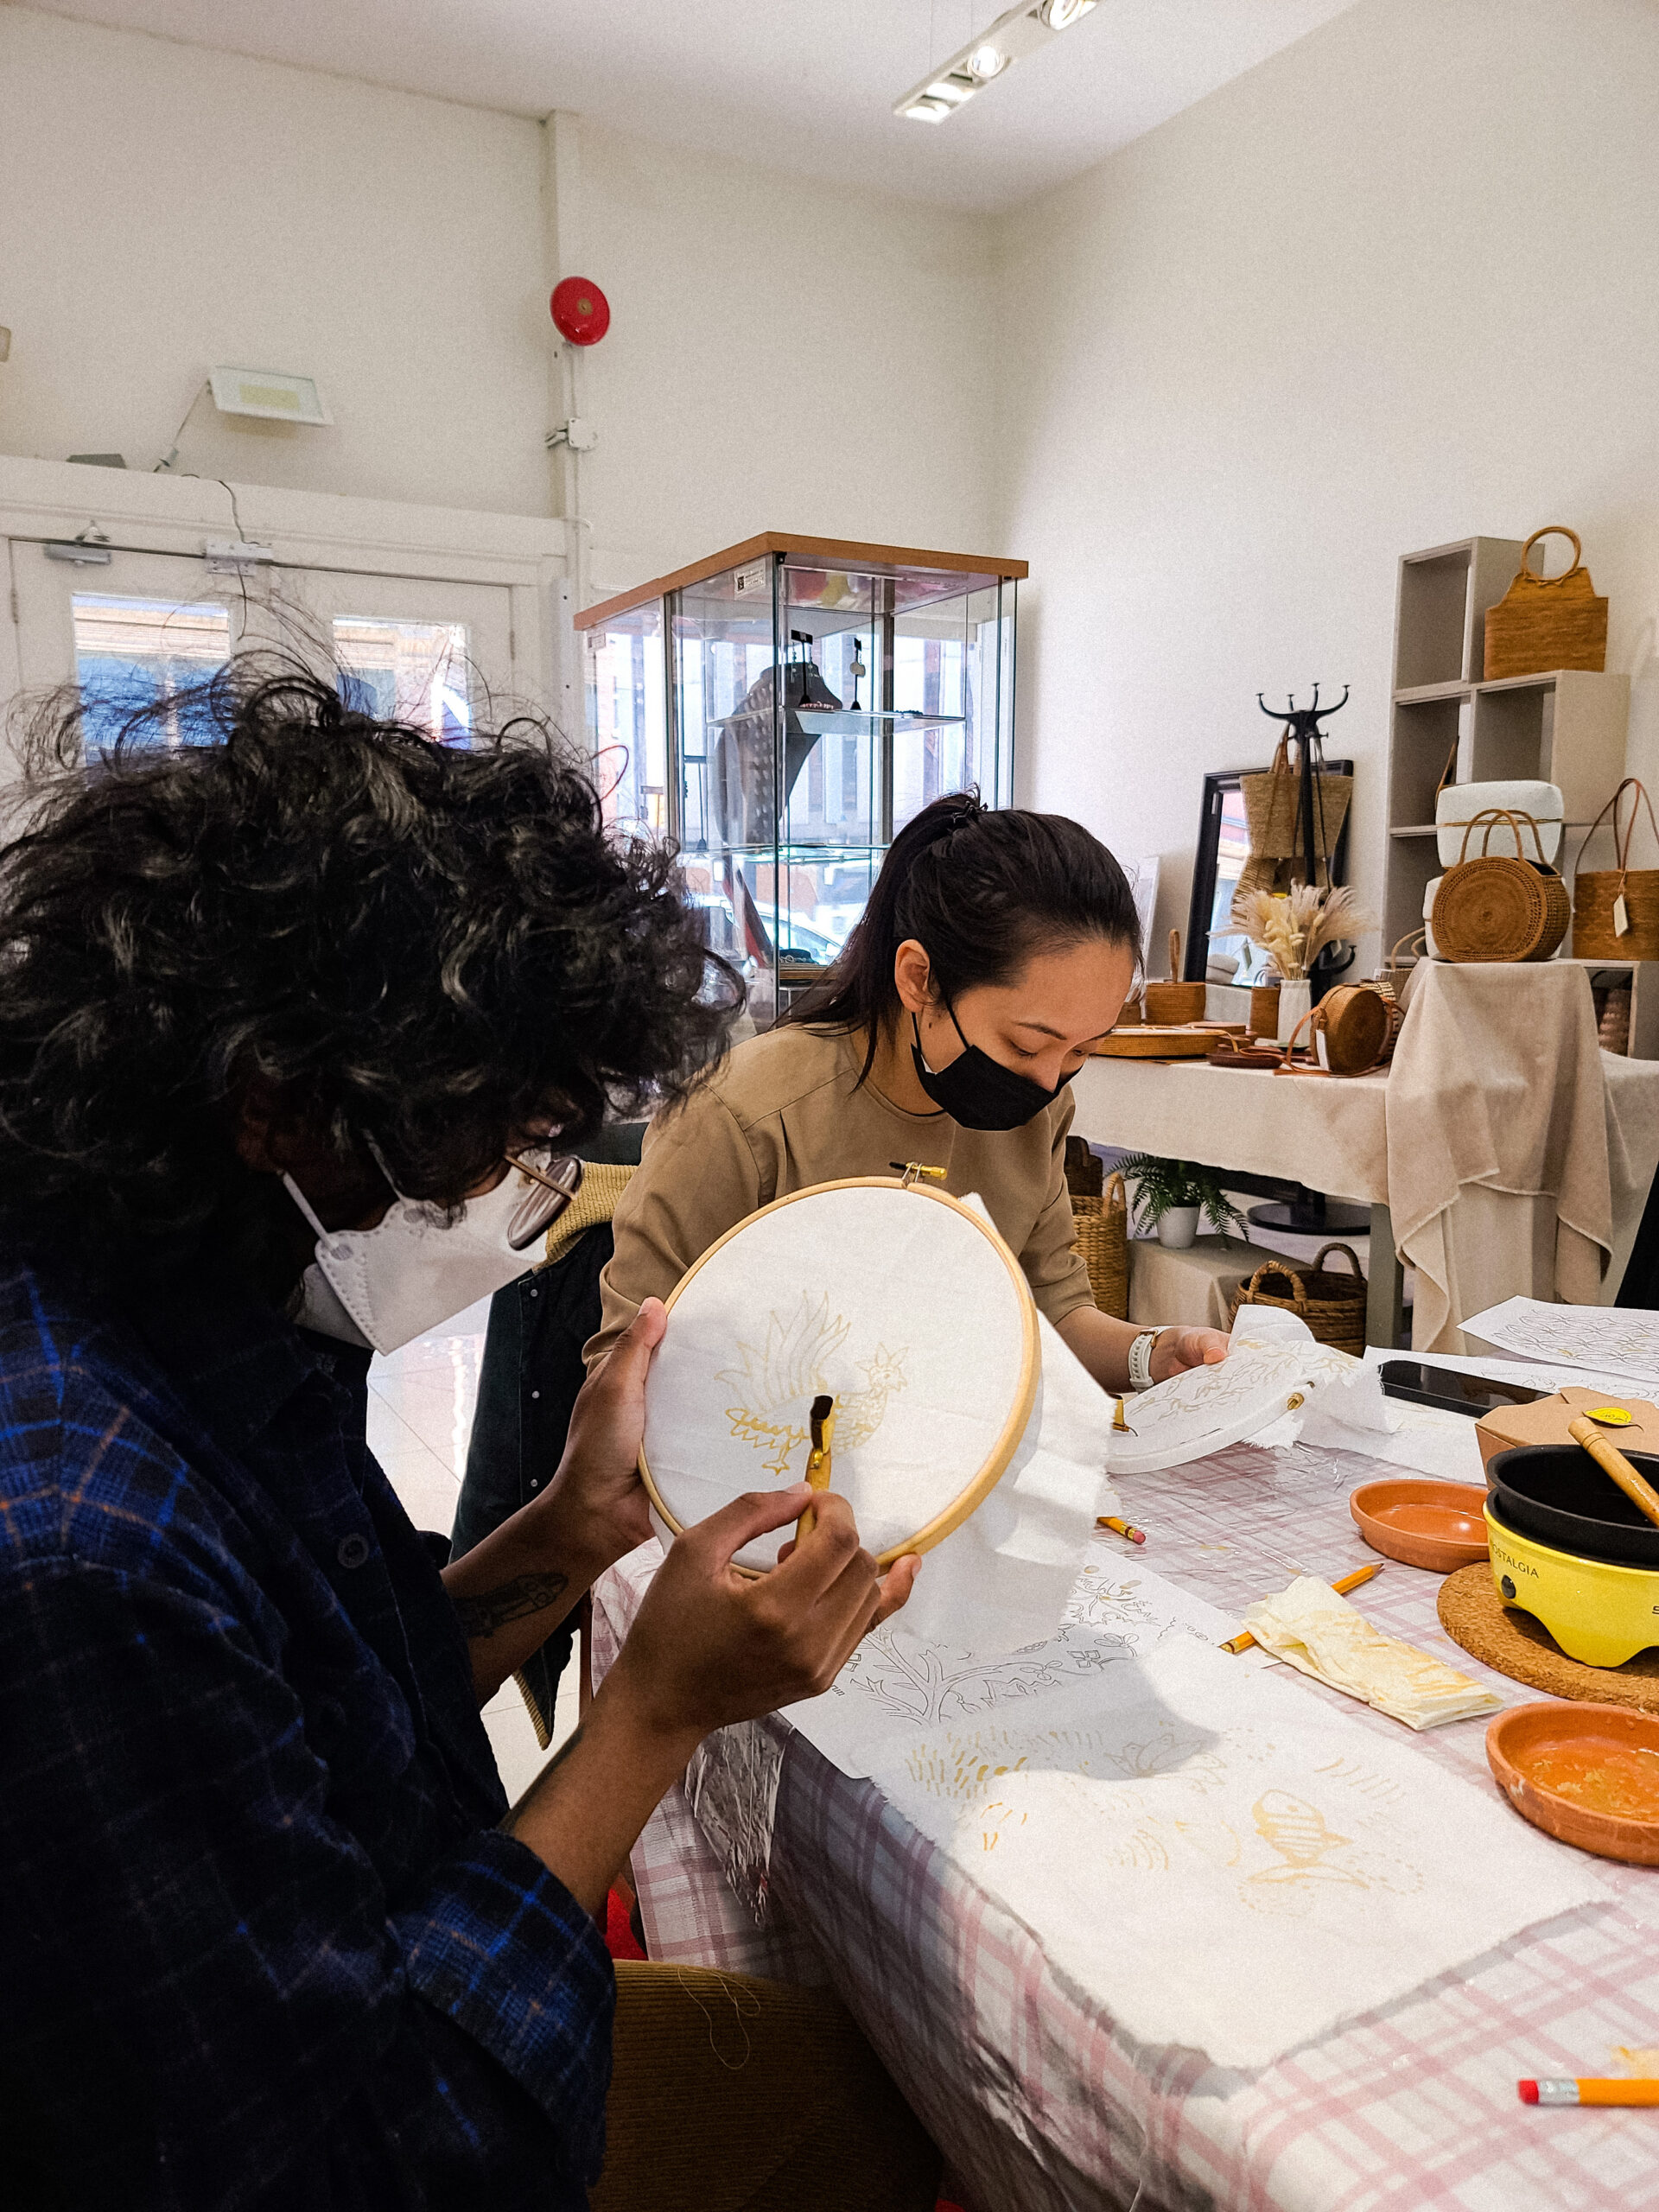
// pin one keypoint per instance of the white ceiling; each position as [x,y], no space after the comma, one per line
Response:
[805,86]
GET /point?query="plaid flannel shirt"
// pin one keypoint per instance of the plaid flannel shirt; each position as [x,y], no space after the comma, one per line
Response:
[263,1943]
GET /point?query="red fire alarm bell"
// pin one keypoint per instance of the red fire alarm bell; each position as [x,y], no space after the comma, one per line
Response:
[580,311]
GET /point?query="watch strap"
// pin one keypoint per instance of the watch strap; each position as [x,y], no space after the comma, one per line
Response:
[1141,1359]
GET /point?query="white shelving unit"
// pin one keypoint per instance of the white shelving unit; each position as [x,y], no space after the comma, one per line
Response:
[1566,726]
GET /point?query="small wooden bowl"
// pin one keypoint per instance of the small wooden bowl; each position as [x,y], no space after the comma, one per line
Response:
[1421,1522]
[1587,1774]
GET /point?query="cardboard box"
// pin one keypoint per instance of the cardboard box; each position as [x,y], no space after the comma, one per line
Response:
[1545,1421]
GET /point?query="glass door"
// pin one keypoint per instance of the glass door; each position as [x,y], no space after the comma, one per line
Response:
[137,630]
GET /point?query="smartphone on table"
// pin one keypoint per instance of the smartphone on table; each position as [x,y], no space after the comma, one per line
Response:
[1424,1384]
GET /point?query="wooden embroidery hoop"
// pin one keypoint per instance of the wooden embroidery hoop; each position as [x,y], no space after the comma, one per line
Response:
[980,1486]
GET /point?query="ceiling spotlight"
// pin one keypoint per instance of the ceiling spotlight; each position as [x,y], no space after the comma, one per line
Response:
[1020,30]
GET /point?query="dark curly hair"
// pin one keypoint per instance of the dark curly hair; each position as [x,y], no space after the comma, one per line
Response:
[433,947]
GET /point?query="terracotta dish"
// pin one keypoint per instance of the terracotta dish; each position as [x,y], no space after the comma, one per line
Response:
[1423,1522]
[1588,1774]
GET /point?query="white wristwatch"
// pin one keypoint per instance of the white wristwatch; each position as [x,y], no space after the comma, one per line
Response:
[1141,1358]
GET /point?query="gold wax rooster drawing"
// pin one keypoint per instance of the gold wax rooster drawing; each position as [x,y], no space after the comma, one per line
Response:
[774,1382]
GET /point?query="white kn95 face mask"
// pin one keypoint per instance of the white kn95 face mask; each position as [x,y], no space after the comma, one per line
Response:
[418,1265]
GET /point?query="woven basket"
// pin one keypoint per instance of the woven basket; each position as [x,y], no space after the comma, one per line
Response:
[1596,893]
[1173,1001]
[1101,1235]
[1500,905]
[1355,1027]
[1544,622]
[1332,1304]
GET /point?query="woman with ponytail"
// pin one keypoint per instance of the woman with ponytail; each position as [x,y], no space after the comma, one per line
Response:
[996,948]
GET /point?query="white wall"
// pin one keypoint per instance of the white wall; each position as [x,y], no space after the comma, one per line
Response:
[1396,286]
[783,355]
[167,208]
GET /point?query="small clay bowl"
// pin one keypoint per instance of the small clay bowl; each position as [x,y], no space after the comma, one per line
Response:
[1586,1773]
[1423,1522]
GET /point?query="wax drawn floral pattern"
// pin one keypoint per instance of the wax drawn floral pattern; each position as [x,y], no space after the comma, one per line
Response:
[775,1382]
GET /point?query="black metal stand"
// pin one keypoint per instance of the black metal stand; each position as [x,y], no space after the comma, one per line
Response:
[1311,1214]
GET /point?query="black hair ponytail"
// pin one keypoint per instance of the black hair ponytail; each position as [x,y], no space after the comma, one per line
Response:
[982,890]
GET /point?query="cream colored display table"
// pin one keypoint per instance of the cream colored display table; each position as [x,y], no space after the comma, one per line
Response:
[1515,1155]
[1331,1136]
[1193,1284]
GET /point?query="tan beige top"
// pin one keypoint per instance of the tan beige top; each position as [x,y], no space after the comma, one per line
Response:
[785,1110]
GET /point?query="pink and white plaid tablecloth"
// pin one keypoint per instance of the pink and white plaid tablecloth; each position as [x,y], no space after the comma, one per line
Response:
[1039,2104]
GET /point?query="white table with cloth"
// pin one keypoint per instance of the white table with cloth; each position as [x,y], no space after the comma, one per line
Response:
[1039,2099]
[1503,1154]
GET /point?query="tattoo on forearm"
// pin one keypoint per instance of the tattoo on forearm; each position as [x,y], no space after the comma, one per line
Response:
[483,1612]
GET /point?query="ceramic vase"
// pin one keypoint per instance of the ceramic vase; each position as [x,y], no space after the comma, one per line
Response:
[1295,996]
[1177,1227]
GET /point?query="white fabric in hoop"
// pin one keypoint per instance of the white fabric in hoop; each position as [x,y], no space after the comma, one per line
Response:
[904,1312]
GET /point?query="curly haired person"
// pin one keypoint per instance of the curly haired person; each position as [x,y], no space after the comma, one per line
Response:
[297,1025]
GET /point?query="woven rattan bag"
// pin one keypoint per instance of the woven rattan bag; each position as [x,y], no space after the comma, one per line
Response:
[1331,1303]
[1500,905]
[1616,910]
[1101,1227]
[1544,622]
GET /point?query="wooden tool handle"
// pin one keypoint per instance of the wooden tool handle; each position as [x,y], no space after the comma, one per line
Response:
[1613,1463]
[1175,955]
[817,1473]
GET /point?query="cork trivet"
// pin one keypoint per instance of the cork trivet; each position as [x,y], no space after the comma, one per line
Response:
[1473,1615]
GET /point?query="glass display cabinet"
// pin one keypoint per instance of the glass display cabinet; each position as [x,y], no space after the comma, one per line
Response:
[781,709]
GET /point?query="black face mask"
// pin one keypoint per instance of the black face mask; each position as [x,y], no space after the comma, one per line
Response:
[977,1091]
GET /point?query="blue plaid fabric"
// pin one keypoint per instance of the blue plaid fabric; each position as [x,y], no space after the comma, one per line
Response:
[263,1943]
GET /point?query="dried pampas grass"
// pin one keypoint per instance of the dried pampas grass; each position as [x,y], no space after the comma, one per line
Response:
[1294,927]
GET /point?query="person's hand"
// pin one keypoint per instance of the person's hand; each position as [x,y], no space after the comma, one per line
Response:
[711,1645]
[1176,1350]
[596,1500]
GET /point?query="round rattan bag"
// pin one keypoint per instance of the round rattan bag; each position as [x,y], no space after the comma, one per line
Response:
[1500,905]
[900,1304]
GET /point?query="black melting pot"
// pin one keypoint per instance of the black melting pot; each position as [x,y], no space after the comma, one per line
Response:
[1557,1493]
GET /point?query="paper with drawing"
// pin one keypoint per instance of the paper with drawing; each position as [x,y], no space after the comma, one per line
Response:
[1218,1860]
[898,1684]
[1619,1340]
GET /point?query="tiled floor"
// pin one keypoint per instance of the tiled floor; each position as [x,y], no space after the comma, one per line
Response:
[420,1402]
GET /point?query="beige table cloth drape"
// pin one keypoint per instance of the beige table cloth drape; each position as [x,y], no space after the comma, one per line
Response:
[1513,1155]
[1496,1094]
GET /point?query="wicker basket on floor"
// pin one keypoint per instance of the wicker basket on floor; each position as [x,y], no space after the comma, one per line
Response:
[1331,1302]
[1102,1226]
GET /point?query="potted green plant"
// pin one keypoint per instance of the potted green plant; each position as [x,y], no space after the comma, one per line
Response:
[1170,1195]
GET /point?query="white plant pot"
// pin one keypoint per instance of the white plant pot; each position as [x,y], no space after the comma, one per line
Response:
[1295,999]
[1177,1227]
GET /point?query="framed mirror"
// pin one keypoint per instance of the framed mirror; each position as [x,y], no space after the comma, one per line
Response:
[1223,848]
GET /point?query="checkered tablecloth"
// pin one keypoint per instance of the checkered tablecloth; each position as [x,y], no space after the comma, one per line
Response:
[1039,2103]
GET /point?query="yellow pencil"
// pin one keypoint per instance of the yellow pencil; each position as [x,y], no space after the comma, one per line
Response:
[1244,1640]
[1121,1528]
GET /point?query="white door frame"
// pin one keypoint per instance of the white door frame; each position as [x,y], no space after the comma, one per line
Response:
[46,501]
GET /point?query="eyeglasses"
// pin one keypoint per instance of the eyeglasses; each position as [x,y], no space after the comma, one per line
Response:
[551,1180]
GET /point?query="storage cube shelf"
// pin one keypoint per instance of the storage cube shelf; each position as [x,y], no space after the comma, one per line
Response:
[1565,725]
[781,709]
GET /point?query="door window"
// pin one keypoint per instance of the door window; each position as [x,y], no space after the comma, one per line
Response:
[131,654]
[414,672]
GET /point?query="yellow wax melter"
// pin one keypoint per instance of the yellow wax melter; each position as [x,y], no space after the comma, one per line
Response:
[1609,1417]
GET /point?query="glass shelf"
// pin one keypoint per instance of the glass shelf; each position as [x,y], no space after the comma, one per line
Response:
[715,704]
